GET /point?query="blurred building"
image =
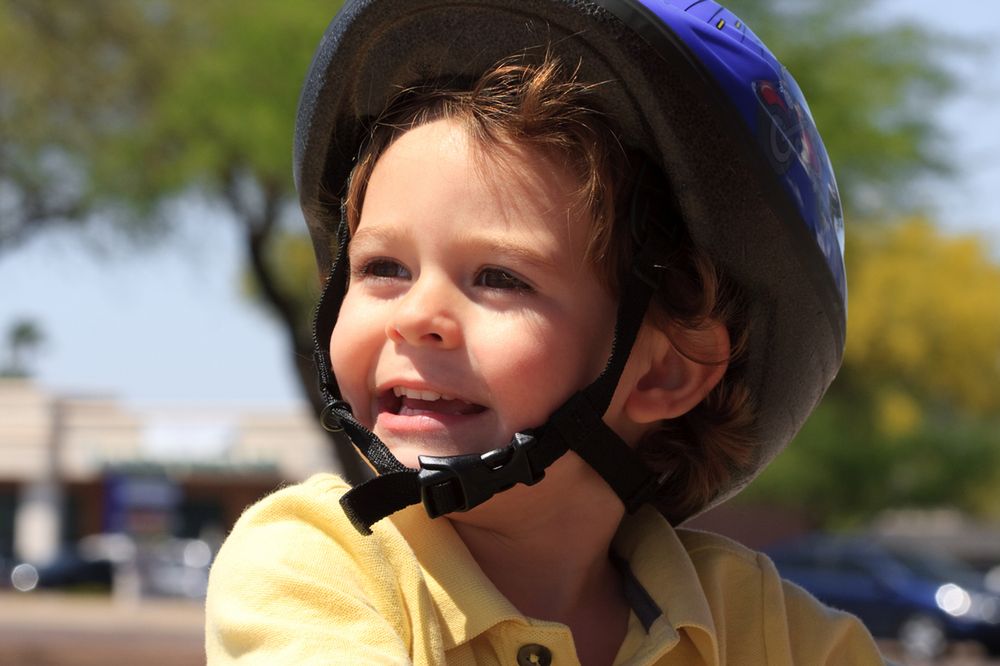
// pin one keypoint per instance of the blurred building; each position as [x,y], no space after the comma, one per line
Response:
[72,466]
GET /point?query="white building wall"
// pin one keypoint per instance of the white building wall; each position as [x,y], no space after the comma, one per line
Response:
[25,430]
[46,439]
[96,432]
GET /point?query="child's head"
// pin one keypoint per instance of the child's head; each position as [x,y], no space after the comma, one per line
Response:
[522,109]
[689,164]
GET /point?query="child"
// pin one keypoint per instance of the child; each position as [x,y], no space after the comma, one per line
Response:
[585,263]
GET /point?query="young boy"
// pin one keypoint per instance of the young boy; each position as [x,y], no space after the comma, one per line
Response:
[570,286]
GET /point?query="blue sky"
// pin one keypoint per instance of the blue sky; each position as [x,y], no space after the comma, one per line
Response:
[168,323]
[171,325]
[972,119]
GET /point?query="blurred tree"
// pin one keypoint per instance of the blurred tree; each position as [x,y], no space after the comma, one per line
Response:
[24,338]
[914,417]
[924,318]
[70,82]
[112,107]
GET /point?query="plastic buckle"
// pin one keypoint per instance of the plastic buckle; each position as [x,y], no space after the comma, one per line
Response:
[459,483]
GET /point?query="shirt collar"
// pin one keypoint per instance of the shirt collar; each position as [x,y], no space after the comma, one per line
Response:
[664,570]
[467,601]
[469,604]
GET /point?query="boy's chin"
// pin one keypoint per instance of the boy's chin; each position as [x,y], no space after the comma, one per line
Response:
[408,455]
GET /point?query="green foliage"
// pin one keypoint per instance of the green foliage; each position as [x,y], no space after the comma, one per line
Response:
[72,82]
[925,316]
[913,417]
[117,105]
[226,101]
[843,468]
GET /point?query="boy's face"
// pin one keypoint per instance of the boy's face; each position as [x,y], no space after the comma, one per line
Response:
[471,313]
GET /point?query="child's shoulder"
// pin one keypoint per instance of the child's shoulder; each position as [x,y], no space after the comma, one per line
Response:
[706,547]
[743,586]
[303,515]
[722,564]
[299,537]
[318,486]
[294,566]
[312,498]
[729,564]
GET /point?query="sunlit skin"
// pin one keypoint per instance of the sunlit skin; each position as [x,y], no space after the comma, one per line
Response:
[464,289]
[472,314]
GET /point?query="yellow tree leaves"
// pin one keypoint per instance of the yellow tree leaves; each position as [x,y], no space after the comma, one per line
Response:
[914,417]
[923,320]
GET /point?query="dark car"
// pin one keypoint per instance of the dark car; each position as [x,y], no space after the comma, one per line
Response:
[919,598]
[68,571]
[7,565]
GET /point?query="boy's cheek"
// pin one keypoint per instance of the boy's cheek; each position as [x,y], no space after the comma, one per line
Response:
[344,371]
[360,405]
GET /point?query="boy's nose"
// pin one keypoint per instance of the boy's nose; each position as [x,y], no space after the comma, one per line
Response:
[424,316]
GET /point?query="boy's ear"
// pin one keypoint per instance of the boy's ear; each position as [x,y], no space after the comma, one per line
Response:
[670,383]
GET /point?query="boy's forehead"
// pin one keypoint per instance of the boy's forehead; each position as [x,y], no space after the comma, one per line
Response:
[496,152]
[515,207]
[445,151]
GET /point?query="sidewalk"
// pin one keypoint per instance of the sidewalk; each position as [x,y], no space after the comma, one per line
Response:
[47,629]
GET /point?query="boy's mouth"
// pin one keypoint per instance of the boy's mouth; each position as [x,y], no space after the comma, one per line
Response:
[404,401]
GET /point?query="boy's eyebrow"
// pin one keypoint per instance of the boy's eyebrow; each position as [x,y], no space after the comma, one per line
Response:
[373,234]
[502,248]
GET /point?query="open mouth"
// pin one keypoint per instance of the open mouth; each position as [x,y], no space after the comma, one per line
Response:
[412,402]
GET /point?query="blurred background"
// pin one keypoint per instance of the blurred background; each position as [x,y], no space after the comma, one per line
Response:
[156,286]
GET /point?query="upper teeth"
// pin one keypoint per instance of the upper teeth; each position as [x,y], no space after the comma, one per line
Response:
[403,392]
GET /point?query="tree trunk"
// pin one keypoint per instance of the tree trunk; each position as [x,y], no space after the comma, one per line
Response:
[259,224]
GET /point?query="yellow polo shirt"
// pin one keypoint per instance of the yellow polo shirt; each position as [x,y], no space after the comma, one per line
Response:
[296,584]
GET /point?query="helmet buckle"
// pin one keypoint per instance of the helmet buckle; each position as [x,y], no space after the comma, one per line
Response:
[459,483]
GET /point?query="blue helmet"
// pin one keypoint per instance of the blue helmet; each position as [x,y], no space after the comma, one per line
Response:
[688,83]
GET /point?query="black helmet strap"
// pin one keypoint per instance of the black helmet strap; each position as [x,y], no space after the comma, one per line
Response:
[459,483]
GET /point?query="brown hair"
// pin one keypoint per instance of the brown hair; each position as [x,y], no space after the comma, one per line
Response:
[544,106]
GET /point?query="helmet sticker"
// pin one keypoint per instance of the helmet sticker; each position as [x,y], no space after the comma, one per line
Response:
[780,127]
[788,136]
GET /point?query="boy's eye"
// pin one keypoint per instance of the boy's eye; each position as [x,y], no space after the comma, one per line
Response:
[384,268]
[497,278]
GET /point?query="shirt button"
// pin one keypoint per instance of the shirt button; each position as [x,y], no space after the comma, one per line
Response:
[533,654]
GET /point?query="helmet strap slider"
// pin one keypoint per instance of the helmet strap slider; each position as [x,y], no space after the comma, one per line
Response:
[458,483]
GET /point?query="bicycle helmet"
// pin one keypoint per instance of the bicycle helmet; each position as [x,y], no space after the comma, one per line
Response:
[690,84]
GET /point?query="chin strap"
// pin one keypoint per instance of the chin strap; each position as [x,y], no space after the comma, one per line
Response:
[459,483]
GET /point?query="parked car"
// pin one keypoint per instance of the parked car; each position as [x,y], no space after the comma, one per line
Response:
[922,599]
[7,565]
[177,568]
[68,571]
[169,567]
